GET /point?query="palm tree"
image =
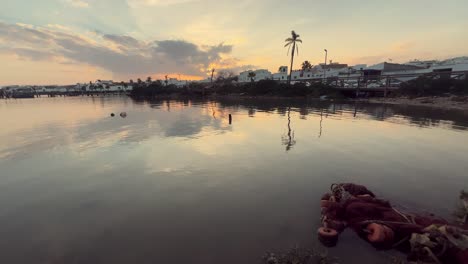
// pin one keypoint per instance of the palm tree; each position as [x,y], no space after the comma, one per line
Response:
[166,81]
[252,76]
[306,65]
[148,80]
[293,40]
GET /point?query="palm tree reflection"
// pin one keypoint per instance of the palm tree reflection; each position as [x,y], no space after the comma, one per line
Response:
[288,139]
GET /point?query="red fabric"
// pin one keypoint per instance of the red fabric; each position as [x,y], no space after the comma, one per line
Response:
[462,257]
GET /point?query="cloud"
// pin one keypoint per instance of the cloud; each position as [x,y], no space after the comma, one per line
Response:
[119,54]
[78,3]
[32,54]
[136,3]
[58,26]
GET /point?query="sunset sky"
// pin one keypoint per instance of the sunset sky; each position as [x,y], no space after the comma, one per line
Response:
[70,41]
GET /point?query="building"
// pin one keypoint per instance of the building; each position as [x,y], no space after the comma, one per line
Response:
[316,72]
[417,67]
[176,82]
[103,86]
[259,75]
[282,74]
[207,80]
[393,67]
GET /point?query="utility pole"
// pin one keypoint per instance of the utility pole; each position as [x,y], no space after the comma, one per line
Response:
[212,74]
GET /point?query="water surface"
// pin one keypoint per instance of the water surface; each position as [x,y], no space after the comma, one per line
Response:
[174,182]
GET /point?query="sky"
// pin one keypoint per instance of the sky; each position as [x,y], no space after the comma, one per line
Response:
[71,41]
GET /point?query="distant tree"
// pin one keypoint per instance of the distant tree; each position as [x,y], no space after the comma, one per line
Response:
[131,81]
[148,80]
[166,81]
[306,65]
[294,42]
[225,76]
[252,76]
[139,81]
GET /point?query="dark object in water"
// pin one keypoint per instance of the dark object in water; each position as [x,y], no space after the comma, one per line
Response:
[328,236]
[423,237]
[123,114]
[230,119]
[112,114]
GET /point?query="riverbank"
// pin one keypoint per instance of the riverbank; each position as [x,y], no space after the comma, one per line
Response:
[448,102]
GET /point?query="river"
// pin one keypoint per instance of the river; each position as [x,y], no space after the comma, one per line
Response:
[174,182]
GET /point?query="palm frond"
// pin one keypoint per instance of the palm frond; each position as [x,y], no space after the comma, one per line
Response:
[299,40]
[289,39]
[297,50]
[288,44]
[289,48]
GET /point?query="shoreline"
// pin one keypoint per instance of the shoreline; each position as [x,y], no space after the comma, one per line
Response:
[450,102]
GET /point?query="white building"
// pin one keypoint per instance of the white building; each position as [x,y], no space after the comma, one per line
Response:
[176,82]
[316,72]
[282,74]
[259,75]
[103,86]
[207,80]
[421,67]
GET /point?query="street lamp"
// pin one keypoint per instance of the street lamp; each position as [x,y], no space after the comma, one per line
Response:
[326,54]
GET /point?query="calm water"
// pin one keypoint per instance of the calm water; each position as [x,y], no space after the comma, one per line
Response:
[175,183]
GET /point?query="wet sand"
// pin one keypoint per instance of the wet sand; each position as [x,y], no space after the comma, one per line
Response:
[452,102]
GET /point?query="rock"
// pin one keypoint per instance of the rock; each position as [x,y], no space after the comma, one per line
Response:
[123,114]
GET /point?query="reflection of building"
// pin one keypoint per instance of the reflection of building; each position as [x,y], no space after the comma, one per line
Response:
[259,75]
